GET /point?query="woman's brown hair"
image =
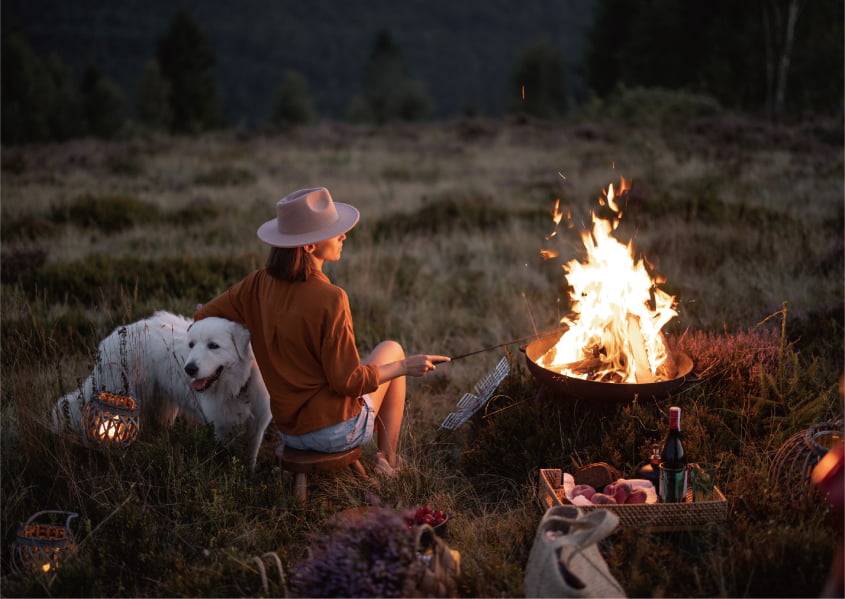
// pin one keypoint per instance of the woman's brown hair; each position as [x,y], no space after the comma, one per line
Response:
[289,264]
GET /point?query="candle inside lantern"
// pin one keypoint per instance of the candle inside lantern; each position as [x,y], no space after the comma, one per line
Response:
[109,427]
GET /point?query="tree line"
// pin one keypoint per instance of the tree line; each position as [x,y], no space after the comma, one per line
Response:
[780,58]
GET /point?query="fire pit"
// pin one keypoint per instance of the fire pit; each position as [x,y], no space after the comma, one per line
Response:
[600,391]
[612,348]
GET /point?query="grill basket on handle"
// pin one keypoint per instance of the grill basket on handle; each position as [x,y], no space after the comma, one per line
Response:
[470,403]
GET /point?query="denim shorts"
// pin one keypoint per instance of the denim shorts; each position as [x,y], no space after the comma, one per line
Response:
[337,437]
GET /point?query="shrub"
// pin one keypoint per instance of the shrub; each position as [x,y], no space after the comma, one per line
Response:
[223,176]
[367,557]
[658,107]
[108,213]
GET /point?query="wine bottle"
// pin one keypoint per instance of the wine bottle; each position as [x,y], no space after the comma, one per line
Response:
[673,462]
[651,470]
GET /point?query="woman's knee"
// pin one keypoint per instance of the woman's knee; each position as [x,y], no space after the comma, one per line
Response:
[385,352]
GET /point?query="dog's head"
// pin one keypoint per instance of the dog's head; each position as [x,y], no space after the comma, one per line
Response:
[215,346]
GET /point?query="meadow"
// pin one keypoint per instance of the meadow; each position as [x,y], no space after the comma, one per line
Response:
[743,220]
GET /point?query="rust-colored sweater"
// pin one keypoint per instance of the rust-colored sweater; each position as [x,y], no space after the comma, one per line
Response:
[304,345]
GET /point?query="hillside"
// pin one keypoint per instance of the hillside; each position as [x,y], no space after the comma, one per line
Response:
[464,51]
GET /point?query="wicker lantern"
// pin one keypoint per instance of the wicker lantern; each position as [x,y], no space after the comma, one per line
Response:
[110,420]
[793,464]
[42,547]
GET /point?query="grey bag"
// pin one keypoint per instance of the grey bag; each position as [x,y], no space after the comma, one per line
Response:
[565,560]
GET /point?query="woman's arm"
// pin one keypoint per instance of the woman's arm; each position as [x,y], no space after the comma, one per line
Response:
[416,365]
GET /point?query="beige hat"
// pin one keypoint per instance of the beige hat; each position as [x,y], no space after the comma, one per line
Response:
[307,216]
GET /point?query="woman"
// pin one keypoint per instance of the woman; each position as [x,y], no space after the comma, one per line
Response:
[323,397]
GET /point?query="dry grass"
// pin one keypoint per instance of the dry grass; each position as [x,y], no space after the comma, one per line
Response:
[736,231]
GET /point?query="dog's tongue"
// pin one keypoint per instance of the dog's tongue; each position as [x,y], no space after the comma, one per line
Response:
[199,384]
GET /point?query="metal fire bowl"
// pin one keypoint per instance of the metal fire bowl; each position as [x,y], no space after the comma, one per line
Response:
[596,390]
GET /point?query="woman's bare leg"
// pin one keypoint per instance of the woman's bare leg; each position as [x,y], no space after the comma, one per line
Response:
[388,400]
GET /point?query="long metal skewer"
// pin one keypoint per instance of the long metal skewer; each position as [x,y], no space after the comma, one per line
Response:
[511,342]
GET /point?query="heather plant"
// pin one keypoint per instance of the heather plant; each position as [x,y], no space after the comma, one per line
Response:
[372,555]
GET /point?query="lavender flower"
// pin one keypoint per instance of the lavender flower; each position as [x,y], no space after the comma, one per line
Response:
[370,556]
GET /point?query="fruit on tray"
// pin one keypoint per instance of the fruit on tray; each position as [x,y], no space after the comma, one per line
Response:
[619,490]
[637,496]
[583,490]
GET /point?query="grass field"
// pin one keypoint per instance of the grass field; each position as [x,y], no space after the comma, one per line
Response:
[743,220]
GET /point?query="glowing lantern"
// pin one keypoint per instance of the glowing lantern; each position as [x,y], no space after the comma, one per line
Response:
[41,547]
[110,420]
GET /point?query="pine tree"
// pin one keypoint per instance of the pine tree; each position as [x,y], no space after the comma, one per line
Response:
[538,84]
[26,93]
[293,102]
[390,92]
[385,71]
[104,104]
[65,117]
[154,98]
[187,61]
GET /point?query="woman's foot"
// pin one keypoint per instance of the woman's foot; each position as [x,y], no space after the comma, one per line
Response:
[383,466]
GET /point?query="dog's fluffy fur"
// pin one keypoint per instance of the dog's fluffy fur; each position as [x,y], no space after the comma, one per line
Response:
[203,370]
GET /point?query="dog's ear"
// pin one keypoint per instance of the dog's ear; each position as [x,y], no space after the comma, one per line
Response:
[240,339]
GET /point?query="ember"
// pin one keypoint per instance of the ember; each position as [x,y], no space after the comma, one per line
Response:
[614,330]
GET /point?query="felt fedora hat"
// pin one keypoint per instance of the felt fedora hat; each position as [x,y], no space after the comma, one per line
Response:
[307,216]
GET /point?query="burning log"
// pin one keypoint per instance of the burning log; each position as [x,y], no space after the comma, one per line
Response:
[638,351]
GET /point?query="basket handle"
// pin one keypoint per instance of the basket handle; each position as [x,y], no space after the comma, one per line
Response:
[422,531]
[70,516]
[126,382]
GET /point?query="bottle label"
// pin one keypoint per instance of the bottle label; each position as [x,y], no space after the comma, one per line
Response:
[673,484]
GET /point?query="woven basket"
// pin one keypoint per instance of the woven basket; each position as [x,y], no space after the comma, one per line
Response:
[111,420]
[657,517]
[41,547]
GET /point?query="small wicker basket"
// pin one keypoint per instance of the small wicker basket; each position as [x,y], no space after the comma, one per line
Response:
[656,517]
[41,547]
[110,420]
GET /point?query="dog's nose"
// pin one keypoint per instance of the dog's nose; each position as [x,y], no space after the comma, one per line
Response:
[191,369]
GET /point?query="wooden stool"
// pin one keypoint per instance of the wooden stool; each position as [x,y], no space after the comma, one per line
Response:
[301,462]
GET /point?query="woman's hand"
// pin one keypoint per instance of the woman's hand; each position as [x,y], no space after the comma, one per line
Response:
[420,364]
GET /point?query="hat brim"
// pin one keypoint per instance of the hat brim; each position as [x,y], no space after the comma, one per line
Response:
[347,218]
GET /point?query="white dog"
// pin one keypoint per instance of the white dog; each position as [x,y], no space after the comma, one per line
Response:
[203,370]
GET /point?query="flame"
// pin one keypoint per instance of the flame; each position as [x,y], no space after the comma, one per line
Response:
[614,330]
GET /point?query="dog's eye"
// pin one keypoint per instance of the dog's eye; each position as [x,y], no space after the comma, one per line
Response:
[213,345]
[191,344]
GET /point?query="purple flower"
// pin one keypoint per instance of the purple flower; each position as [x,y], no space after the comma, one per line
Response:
[369,556]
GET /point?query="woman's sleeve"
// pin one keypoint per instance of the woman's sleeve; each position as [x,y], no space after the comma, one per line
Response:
[341,362]
[225,305]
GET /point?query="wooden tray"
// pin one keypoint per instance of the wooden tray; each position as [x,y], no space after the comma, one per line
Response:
[657,517]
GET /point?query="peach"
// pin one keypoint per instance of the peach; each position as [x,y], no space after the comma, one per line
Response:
[583,490]
[637,496]
[619,491]
[603,499]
